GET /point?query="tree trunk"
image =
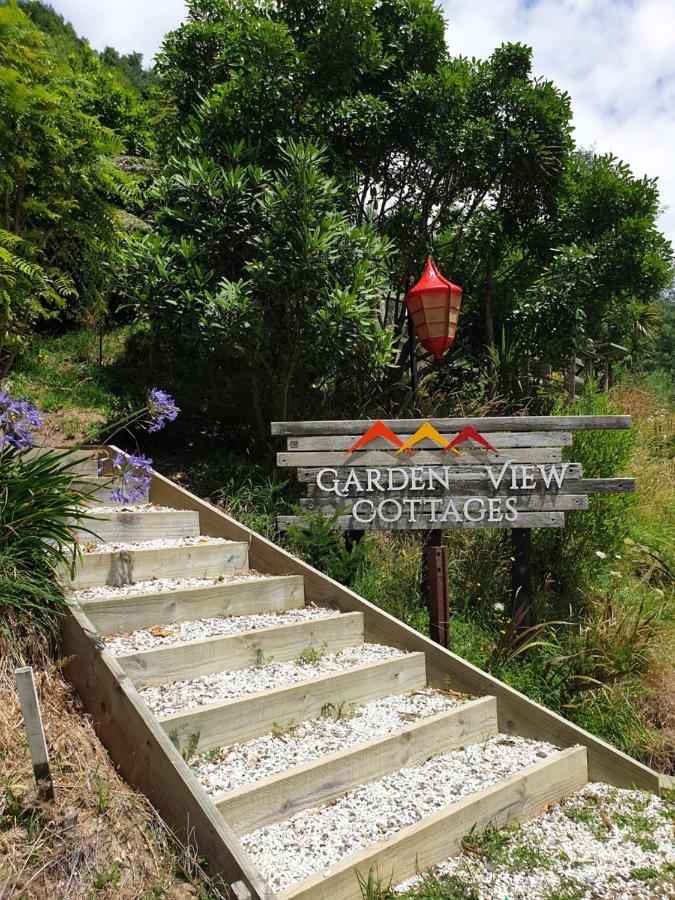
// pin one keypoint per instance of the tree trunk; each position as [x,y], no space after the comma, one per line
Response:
[488,315]
[257,405]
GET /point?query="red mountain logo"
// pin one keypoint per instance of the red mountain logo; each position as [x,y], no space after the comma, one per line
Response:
[470,434]
[377,430]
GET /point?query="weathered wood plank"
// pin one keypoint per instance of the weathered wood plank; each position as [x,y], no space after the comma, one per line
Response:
[128,566]
[517,713]
[498,439]
[553,502]
[112,615]
[455,474]
[472,488]
[37,743]
[147,759]
[439,836]
[283,795]
[190,659]
[126,526]
[423,521]
[243,718]
[486,423]
[467,457]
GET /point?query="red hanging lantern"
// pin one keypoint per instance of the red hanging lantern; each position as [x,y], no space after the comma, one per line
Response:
[433,304]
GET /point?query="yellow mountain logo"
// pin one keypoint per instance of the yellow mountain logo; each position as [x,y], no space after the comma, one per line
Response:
[426,431]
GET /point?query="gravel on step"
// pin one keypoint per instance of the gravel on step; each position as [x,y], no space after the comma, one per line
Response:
[160,586]
[231,767]
[156,544]
[181,695]
[315,839]
[101,510]
[159,635]
[601,842]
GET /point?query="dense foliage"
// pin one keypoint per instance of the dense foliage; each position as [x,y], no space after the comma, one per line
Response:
[65,118]
[473,159]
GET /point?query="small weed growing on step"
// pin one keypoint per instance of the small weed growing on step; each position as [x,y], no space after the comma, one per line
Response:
[281,731]
[507,847]
[311,656]
[259,658]
[336,711]
[186,748]
[571,890]
[213,755]
[645,873]
[107,877]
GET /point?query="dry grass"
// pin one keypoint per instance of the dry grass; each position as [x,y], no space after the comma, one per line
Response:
[98,838]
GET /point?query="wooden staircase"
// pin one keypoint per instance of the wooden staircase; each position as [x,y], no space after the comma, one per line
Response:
[156,571]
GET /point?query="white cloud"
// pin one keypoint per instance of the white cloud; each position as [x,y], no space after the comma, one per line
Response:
[614,57]
[126,25]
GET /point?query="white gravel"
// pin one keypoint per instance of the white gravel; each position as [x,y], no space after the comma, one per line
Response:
[156,544]
[316,838]
[101,510]
[238,764]
[601,842]
[160,586]
[158,635]
[181,695]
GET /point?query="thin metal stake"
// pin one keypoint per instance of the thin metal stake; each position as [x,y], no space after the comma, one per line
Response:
[30,707]
[521,582]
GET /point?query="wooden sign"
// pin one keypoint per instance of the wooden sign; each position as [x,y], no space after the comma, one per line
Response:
[501,472]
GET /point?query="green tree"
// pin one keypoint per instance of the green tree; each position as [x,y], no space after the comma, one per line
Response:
[293,302]
[56,184]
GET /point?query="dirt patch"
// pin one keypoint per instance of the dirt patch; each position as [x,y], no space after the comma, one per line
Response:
[68,427]
[98,838]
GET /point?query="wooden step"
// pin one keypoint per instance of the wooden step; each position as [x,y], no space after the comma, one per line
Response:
[138,525]
[434,838]
[282,795]
[80,462]
[269,594]
[190,659]
[243,718]
[128,566]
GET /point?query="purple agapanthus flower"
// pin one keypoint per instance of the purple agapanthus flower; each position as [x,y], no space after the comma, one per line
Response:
[161,409]
[19,418]
[131,477]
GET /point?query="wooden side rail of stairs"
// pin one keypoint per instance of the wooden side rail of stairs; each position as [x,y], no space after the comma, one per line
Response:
[144,745]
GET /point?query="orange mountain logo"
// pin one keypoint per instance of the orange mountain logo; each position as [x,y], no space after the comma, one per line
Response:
[425,432]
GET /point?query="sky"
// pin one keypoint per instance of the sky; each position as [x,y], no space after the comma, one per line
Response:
[616,59]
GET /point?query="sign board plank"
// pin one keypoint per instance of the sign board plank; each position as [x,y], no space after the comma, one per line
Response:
[499,439]
[472,486]
[350,523]
[501,472]
[489,423]
[457,474]
[424,457]
[534,502]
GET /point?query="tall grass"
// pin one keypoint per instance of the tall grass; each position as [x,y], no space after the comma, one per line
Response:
[41,504]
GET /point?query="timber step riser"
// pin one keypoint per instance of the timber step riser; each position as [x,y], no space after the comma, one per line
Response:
[125,527]
[244,718]
[237,598]
[282,796]
[128,566]
[193,659]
